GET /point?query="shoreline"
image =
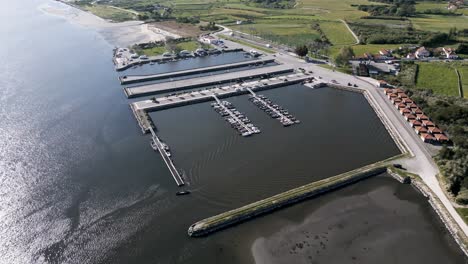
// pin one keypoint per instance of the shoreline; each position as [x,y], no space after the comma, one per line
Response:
[122,34]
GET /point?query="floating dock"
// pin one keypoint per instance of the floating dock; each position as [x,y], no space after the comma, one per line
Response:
[128,79]
[275,111]
[235,118]
[143,90]
[158,145]
[229,218]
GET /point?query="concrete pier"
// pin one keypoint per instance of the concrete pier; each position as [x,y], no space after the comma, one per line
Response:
[158,145]
[229,218]
[143,90]
[221,92]
[128,79]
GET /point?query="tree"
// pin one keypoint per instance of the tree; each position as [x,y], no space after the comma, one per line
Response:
[301,50]
[346,53]
[319,45]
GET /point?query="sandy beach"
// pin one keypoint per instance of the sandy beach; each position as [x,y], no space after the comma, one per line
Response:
[117,34]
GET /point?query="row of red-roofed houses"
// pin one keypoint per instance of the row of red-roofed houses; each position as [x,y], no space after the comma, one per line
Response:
[421,123]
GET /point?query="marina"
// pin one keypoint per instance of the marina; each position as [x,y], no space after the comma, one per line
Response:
[128,79]
[125,58]
[273,110]
[237,119]
[85,186]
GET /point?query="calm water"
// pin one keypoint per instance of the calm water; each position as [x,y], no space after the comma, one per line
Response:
[80,184]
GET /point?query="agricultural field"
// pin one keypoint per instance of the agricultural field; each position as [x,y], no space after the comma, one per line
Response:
[441,78]
[464,77]
[337,33]
[439,22]
[110,13]
[294,33]
[424,6]
[292,26]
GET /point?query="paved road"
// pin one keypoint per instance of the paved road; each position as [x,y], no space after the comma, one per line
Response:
[421,163]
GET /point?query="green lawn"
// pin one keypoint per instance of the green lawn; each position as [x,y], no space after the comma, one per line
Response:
[187,45]
[153,51]
[440,77]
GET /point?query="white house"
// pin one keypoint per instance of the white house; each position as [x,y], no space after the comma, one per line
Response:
[422,52]
[450,53]
[209,39]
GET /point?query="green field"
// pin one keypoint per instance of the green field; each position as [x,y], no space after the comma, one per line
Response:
[439,77]
[187,45]
[464,76]
[423,6]
[110,13]
[440,22]
[337,33]
[291,27]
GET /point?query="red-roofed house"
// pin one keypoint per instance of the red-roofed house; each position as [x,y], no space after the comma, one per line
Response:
[417,111]
[385,52]
[412,106]
[422,117]
[407,101]
[409,116]
[398,90]
[387,91]
[441,138]
[402,95]
[405,111]
[426,137]
[422,52]
[415,122]
[392,95]
[434,130]
[427,123]
[400,106]
[420,129]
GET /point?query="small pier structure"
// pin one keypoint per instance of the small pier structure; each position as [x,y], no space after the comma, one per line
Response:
[128,79]
[234,117]
[274,110]
[162,148]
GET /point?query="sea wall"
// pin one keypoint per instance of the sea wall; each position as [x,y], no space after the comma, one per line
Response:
[295,195]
